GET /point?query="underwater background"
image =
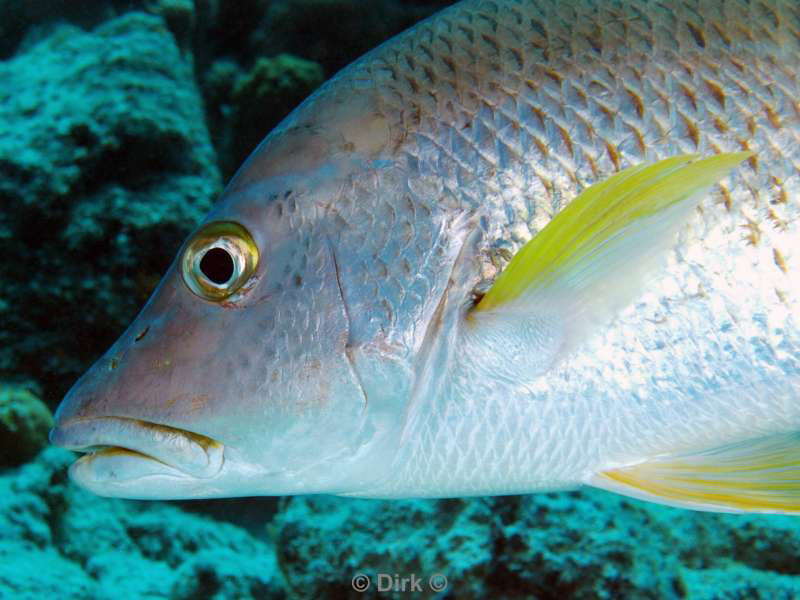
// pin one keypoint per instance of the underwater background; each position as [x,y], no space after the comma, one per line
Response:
[120,121]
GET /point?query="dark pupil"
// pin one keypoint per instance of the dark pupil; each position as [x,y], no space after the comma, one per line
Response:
[217,265]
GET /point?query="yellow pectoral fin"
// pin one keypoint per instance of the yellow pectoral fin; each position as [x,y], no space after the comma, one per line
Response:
[759,475]
[592,258]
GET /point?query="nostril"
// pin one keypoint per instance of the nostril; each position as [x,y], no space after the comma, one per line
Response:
[142,333]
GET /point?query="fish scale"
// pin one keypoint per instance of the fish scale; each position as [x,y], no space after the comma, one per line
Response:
[662,101]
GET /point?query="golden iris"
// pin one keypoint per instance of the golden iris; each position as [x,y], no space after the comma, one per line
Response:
[218,260]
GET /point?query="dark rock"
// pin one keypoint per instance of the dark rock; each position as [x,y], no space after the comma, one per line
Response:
[25,23]
[24,425]
[333,33]
[223,574]
[179,15]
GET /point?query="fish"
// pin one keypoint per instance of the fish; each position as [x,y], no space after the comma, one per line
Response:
[526,245]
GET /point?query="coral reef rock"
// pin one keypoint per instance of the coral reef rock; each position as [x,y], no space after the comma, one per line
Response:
[24,424]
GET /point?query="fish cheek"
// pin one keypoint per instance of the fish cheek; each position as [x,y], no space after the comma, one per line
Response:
[303,398]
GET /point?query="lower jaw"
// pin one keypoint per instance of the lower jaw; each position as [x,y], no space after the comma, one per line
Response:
[121,464]
[121,473]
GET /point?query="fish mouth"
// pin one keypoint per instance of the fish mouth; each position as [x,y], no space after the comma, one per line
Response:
[118,449]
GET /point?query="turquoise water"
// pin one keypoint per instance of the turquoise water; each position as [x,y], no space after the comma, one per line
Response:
[119,124]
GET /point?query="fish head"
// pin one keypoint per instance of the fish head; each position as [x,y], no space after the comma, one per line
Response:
[235,377]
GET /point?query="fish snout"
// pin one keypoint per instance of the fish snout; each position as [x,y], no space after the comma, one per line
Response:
[114,417]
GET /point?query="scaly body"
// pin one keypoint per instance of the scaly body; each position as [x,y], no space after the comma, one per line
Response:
[418,171]
[509,109]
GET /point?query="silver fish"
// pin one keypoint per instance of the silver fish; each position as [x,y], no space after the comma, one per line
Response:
[338,323]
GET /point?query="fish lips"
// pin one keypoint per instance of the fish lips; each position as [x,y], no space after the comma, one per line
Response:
[121,449]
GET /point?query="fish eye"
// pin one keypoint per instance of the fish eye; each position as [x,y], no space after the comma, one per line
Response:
[218,260]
